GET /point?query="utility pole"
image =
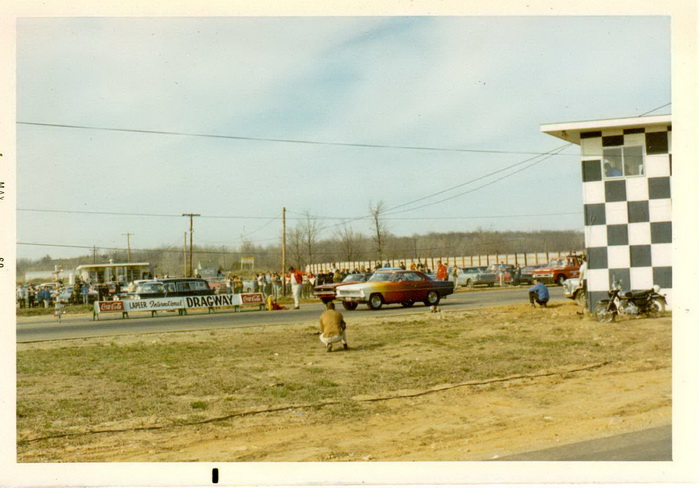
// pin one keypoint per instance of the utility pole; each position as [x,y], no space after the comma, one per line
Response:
[128,246]
[191,215]
[284,248]
[184,258]
[94,254]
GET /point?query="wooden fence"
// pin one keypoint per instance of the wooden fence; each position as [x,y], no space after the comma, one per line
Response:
[521,259]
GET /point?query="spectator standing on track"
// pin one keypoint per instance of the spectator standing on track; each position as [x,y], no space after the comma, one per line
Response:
[20,297]
[237,284]
[45,297]
[538,293]
[31,295]
[333,327]
[517,273]
[455,274]
[276,285]
[296,278]
[441,272]
[85,292]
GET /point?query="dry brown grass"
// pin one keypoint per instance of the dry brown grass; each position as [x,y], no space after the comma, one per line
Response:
[78,386]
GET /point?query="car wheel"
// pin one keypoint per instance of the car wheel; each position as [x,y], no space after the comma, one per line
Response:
[470,284]
[349,305]
[433,298]
[375,301]
[602,314]
[561,279]
[408,303]
[326,299]
[580,298]
[491,285]
[656,308]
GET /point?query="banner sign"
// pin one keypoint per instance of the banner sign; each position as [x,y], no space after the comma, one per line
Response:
[176,303]
[252,298]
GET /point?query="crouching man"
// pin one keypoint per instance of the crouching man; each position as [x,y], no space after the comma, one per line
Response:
[538,293]
[332,327]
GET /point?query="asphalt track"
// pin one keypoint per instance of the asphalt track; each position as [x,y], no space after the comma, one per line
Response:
[47,328]
[644,445]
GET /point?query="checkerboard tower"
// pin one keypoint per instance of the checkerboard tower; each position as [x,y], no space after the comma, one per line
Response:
[626,169]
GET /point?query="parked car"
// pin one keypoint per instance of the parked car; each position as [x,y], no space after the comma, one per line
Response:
[169,287]
[326,292]
[466,276]
[559,270]
[526,274]
[394,286]
[493,274]
[575,291]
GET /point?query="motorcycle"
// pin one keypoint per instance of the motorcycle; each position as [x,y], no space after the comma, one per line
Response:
[627,303]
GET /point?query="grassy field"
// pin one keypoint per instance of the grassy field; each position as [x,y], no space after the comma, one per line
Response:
[132,382]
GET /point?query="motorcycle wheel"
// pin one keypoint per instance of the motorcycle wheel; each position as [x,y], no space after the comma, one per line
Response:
[603,315]
[657,307]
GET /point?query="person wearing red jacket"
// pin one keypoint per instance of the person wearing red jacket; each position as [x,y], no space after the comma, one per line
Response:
[297,278]
[441,271]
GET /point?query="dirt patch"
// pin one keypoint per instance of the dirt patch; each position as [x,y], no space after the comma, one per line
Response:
[425,387]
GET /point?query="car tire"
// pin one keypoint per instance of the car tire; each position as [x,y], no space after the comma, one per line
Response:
[349,305]
[407,303]
[470,284]
[580,297]
[560,280]
[375,301]
[433,298]
[491,285]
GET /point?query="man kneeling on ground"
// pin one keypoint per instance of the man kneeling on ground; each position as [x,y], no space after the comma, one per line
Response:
[538,293]
[332,327]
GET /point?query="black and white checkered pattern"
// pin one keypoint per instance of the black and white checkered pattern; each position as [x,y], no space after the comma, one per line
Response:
[628,219]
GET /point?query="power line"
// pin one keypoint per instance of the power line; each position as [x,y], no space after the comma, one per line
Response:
[550,153]
[654,110]
[131,214]
[269,139]
[473,189]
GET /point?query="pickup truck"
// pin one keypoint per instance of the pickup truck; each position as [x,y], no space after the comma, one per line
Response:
[559,270]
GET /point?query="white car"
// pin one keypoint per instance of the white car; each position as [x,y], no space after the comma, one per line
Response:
[573,289]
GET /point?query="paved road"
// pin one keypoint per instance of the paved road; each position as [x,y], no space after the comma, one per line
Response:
[32,329]
[645,445]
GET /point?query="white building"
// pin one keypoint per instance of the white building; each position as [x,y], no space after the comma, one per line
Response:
[626,168]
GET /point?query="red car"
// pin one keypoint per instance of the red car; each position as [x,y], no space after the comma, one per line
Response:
[326,292]
[394,286]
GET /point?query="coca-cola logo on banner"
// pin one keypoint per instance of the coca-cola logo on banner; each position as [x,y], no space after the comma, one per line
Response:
[251,297]
[115,306]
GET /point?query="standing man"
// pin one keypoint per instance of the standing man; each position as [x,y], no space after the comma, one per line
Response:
[332,327]
[455,275]
[85,292]
[441,272]
[538,293]
[296,277]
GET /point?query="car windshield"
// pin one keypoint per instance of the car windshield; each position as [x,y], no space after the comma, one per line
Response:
[381,277]
[355,277]
[558,262]
[150,288]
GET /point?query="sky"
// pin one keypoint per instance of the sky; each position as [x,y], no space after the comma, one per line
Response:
[236,118]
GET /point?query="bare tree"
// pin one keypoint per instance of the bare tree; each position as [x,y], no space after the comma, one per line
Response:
[350,243]
[379,228]
[309,228]
[295,247]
